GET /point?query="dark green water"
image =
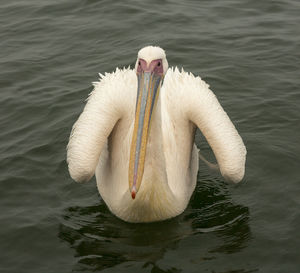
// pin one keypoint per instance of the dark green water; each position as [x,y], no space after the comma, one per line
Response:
[50,52]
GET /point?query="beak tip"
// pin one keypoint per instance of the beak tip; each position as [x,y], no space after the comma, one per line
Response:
[133,194]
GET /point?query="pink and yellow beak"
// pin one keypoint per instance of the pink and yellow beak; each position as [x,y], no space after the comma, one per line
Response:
[149,82]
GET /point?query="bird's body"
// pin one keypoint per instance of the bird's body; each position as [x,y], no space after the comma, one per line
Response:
[101,143]
[170,169]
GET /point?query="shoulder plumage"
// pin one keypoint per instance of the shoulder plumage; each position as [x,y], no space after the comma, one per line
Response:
[115,81]
[114,89]
[184,82]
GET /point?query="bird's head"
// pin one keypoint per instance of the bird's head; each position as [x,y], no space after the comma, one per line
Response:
[151,66]
[151,59]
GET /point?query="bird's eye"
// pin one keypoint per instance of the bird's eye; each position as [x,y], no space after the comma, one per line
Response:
[158,64]
[139,63]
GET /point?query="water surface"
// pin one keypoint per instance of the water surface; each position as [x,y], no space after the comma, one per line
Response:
[51,51]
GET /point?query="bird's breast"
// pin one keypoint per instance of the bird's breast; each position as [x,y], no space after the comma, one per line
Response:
[154,202]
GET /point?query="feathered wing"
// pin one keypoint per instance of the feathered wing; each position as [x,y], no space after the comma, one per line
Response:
[91,130]
[205,111]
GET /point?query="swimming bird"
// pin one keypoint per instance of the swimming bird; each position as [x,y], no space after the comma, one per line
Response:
[136,134]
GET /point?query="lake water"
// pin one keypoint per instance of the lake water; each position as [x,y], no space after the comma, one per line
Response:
[51,51]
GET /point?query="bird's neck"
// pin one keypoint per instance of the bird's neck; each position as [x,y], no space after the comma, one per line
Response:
[155,140]
[155,200]
[155,175]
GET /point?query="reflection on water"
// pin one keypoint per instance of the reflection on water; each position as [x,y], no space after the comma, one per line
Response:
[102,241]
[213,211]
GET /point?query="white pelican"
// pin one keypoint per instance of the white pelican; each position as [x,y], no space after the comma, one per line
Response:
[136,134]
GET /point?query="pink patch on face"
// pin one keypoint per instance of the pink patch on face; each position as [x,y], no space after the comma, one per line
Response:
[155,67]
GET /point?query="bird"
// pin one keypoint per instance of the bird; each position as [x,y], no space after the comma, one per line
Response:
[136,134]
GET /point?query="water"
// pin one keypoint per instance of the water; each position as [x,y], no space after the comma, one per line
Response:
[51,51]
